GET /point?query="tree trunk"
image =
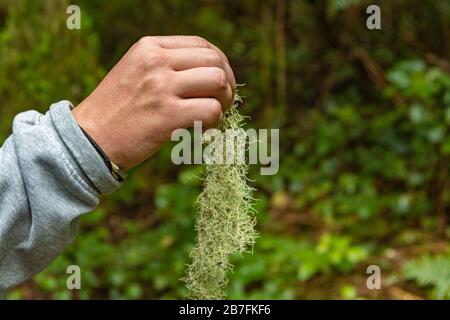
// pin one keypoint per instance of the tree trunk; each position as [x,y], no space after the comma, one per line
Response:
[266,61]
[280,42]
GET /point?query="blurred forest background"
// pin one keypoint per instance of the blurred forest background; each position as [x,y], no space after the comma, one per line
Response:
[365,144]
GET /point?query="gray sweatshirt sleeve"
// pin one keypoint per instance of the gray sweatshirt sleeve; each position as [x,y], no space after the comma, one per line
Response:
[50,174]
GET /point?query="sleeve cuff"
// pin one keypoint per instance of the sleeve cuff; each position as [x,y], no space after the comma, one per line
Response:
[90,162]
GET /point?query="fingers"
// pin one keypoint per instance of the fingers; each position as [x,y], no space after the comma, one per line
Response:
[206,110]
[177,42]
[188,58]
[180,42]
[204,82]
[203,79]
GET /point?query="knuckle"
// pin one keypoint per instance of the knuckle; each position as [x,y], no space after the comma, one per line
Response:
[158,82]
[201,42]
[215,58]
[153,58]
[148,53]
[215,111]
[146,41]
[219,78]
[158,55]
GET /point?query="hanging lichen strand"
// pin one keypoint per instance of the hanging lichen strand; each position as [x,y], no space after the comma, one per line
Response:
[225,222]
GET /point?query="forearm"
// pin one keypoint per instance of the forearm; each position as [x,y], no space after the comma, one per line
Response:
[49,175]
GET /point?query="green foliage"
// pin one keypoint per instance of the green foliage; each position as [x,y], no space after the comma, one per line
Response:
[385,169]
[364,119]
[431,271]
[37,63]
[279,266]
[334,6]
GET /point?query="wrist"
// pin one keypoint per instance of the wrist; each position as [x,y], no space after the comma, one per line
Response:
[93,129]
[115,170]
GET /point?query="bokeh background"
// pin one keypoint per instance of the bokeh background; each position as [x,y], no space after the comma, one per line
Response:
[365,145]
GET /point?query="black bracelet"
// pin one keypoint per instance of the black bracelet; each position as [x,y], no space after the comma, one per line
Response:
[116,172]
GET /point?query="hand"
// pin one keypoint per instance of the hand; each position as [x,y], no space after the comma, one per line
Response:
[161,84]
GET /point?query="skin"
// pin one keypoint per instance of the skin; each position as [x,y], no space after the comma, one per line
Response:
[160,84]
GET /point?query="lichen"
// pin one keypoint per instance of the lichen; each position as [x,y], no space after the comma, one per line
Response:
[225,222]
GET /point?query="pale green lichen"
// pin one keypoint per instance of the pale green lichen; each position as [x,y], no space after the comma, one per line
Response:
[225,222]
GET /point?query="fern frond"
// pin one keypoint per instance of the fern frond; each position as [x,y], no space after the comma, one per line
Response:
[431,271]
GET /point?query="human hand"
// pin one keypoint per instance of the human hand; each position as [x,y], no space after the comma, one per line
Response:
[161,84]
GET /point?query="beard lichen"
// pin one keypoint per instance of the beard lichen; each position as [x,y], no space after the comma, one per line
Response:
[225,222]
